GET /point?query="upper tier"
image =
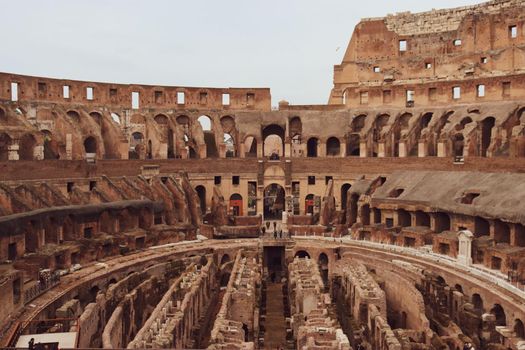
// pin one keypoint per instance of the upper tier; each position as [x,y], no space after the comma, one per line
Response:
[131,96]
[436,50]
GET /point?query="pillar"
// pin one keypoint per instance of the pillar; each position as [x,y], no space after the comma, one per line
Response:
[12,150]
[363,151]
[402,149]
[321,149]
[442,149]
[381,149]
[69,146]
[38,152]
[421,149]
[465,247]
[343,149]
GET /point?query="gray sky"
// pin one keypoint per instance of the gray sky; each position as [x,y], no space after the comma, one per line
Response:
[287,45]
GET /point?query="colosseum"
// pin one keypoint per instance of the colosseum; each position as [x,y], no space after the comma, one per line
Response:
[391,218]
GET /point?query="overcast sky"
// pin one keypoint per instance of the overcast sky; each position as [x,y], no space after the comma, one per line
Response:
[287,45]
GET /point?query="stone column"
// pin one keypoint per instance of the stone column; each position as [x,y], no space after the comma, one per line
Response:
[402,149]
[38,152]
[441,149]
[260,150]
[12,150]
[381,149]
[287,148]
[69,146]
[343,149]
[321,149]
[421,149]
[465,247]
[363,149]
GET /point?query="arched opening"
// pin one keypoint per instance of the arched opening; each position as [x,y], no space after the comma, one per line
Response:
[273,148]
[486,134]
[302,254]
[499,313]
[5,142]
[295,131]
[311,147]
[400,128]
[353,148]
[273,202]
[161,119]
[229,142]
[477,302]
[358,123]
[90,145]
[344,195]
[459,288]
[501,232]
[50,146]
[333,147]
[250,146]
[224,259]
[183,120]
[229,134]
[93,293]
[205,122]
[519,329]
[459,145]
[136,145]
[403,218]
[442,222]
[309,204]
[74,116]
[481,227]
[201,192]
[236,204]
[352,210]
[322,262]
[97,117]
[209,136]
[422,218]
[463,123]
[27,147]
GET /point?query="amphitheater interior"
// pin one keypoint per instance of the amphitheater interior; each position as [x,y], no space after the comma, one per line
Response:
[391,218]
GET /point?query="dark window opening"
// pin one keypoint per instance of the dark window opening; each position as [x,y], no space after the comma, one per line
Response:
[70,186]
[236,180]
[11,251]
[217,180]
[88,232]
[92,185]
[468,198]
[311,180]
[328,179]
[396,192]
[158,96]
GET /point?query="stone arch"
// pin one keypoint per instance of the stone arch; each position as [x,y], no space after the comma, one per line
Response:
[333,147]
[309,204]
[477,301]
[501,232]
[90,145]
[97,117]
[487,125]
[236,204]
[229,142]
[302,254]
[323,264]
[50,145]
[161,119]
[358,123]
[344,195]
[225,259]
[73,115]
[498,311]
[519,329]
[206,124]
[273,141]
[295,127]
[459,145]
[274,201]
[136,145]
[312,146]
[201,193]
[27,147]
[183,120]
[228,124]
